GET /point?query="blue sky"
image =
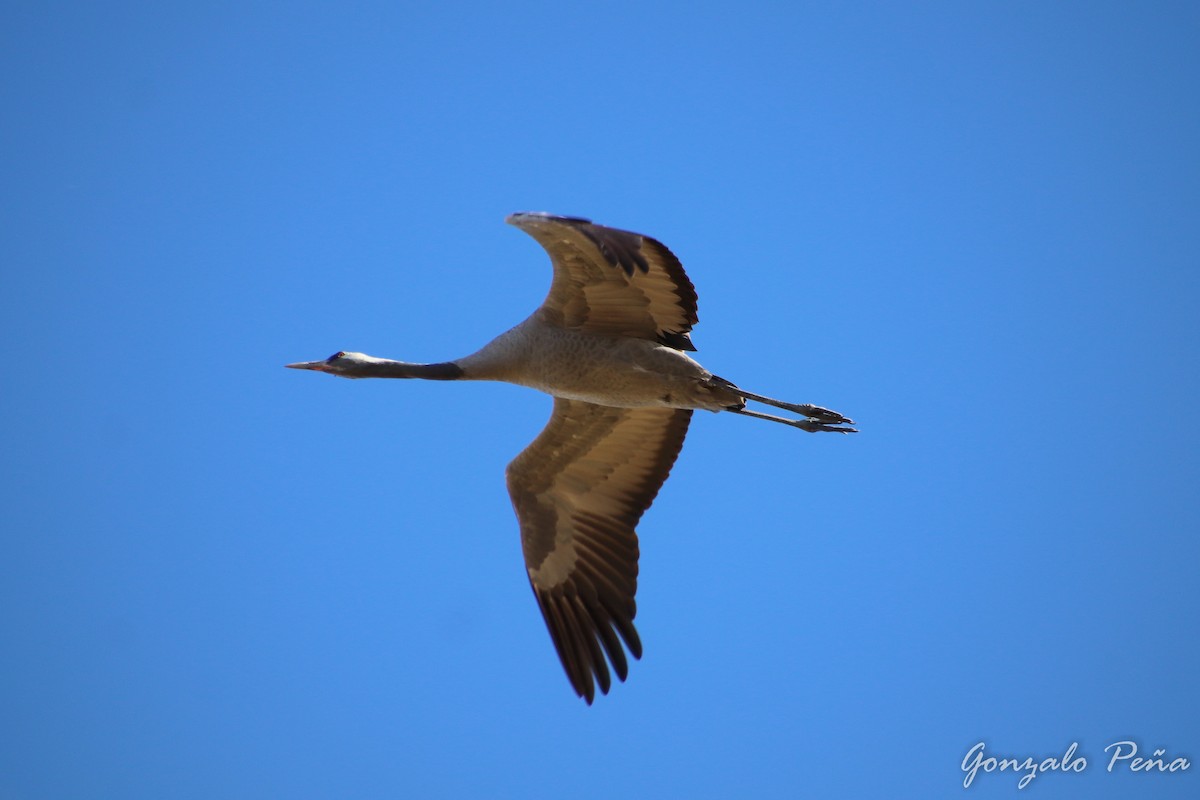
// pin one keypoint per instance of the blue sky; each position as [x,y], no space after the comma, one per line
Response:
[971,227]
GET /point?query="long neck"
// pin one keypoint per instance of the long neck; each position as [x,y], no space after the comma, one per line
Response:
[385,368]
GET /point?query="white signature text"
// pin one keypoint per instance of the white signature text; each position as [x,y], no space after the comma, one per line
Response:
[1121,755]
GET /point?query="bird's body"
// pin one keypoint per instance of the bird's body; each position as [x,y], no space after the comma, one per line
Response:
[608,343]
[595,368]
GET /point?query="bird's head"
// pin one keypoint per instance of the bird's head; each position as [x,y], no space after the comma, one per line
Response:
[346,365]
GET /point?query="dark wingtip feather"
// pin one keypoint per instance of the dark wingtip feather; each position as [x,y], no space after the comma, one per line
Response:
[677,341]
[633,642]
[518,216]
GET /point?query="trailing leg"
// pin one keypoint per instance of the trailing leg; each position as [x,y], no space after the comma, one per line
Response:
[810,424]
[814,418]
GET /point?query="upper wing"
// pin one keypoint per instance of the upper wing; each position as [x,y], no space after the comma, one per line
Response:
[579,491]
[612,282]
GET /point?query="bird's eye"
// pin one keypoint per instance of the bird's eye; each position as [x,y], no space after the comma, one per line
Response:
[336,356]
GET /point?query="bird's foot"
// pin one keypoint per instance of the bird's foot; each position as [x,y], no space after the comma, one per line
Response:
[813,424]
[818,414]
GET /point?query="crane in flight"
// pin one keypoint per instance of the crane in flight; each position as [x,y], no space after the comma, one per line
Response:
[608,343]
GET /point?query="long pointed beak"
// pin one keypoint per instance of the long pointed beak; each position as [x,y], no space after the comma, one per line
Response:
[319,366]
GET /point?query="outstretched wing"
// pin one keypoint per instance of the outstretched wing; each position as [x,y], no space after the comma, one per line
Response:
[579,490]
[612,282]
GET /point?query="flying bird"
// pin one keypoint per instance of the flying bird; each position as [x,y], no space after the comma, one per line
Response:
[609,344]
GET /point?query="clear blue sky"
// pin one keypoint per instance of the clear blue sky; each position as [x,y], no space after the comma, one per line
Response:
[974,227]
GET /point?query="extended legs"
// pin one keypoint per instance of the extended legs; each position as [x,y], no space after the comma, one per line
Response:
[814,418]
